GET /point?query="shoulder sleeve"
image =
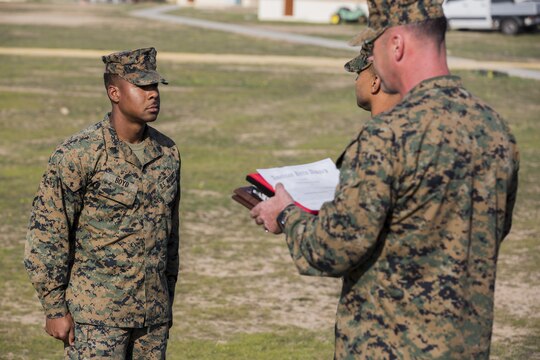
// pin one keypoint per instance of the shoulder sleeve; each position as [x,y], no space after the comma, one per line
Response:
[173,259]
[346,230]
[49,247]
[511,195]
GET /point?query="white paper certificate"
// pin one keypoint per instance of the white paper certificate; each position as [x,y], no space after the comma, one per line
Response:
[309,184]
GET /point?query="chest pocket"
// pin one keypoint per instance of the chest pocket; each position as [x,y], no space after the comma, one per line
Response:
[118,190]
[110,201]
[168,187]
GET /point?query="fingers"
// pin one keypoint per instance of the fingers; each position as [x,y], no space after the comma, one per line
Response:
[266,212]
[273,228]
[71,336]
[60,328]
[60,335]
[255,211]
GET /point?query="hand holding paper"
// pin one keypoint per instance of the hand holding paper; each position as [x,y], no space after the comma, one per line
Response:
[266,212]
[308,186]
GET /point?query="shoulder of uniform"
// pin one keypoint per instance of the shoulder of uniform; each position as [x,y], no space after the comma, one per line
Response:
[381,126]
[160,138]
[84,142]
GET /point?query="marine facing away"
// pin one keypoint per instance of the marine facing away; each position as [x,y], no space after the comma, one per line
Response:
[424,200]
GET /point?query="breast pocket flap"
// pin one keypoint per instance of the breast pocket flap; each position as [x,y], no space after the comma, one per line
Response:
[118,190]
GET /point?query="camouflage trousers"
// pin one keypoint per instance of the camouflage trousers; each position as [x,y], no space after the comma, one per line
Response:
[104,342]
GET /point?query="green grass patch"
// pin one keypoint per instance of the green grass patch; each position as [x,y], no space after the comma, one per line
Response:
[292,345]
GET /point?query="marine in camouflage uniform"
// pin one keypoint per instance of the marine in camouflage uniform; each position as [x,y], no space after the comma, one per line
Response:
[368,87]
[424,200]
[103,236]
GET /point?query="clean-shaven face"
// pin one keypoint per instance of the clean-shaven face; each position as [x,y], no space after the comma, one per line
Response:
[139,103]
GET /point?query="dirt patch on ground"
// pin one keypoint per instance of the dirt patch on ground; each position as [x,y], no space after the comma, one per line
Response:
[28,90]
[275,296]
[518,298]
[56,19]
[17,309]
[52,15]
[505,332]
[255,275]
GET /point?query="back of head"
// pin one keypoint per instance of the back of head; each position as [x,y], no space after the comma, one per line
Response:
[411,45]
[384,14]
[430,30]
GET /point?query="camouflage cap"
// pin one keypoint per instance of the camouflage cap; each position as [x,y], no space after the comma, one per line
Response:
[136,66]
[384,14]
[361,62]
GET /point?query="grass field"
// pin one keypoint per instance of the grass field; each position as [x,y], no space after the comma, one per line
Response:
[239,296]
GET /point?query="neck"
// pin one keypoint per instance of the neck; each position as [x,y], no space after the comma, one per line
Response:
[423,65]
[383,102]
[128,131]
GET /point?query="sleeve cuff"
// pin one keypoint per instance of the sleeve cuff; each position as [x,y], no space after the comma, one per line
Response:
[282,216]
[57,311]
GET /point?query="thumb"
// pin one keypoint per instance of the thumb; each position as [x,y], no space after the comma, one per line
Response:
[283,194]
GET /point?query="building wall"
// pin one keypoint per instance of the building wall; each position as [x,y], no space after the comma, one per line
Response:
[317,11]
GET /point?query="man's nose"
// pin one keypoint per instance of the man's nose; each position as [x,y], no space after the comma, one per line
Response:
[153,92]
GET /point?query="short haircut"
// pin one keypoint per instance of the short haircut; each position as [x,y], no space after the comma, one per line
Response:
[109,79]
[433,29]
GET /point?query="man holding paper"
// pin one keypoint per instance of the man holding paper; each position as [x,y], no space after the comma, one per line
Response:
[313,184]
[424,200]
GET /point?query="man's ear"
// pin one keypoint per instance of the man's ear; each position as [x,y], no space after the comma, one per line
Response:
[398,46]
[114,93]
[375,85]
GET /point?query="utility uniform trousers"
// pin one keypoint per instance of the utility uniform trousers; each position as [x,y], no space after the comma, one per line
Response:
[105,342]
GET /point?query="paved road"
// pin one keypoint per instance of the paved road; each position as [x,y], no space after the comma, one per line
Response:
[159,13]
[524,70]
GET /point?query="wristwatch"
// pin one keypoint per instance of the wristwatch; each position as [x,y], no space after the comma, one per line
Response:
[281,217]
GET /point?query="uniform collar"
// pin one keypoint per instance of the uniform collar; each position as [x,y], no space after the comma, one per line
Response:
[439,82]
[447,81]
[119,149]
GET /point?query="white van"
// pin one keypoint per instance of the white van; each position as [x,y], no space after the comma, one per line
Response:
[510,17]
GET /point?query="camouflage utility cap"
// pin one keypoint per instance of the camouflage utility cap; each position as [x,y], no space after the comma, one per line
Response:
[361,62]
[136,66]
[387,13]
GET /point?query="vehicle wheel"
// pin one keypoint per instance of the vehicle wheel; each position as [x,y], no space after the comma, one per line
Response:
[510,27]
[335,19]
[362,19]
